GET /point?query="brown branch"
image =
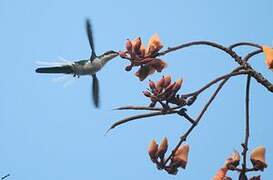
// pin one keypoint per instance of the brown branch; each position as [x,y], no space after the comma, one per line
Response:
[145,108]
[244,44]
[140,116]
[250,55]
[258,76]
[245,170]
[245,144]
[235,72]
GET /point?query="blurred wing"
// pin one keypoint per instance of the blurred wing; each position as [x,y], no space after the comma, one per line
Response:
[90,39]
[95,90]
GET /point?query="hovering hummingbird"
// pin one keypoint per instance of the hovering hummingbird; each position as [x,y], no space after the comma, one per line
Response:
[84,67]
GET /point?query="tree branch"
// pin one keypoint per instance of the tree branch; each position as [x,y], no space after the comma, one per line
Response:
[244,44]
[245,144]
[253,53]
[258,76]
[235,72]
[143,108]
[140,116]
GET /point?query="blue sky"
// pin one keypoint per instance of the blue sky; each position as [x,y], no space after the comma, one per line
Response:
[48,131]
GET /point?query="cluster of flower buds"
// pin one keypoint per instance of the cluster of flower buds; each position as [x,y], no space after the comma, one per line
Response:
[143,57]
[268,51]
[178,160]
[164,91]
[257,158]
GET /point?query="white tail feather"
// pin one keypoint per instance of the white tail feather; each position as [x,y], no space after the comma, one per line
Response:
[60,63]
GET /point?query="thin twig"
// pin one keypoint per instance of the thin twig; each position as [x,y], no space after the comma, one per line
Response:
[145,108]
[250,55]
[244,44]
[246,169]
[245,144]
[233,73]
[140,116]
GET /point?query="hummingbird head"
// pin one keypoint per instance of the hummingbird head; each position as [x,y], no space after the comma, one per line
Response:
[108,55]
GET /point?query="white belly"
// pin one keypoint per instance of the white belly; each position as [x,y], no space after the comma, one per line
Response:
[88,68]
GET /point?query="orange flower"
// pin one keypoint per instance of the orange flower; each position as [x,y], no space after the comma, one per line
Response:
[149,66]
[154,45]
[143,72]
[268,52]
[221,174]
[257,157]
[180,157]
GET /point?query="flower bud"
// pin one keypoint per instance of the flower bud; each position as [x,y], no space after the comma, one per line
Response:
[181,156]
[152,84]
[129,45]
[170,87]
[152,150]
[147,93]
[167,81]
[156,92]
[136,45]
[257,158]
[161,82]
[162,148]
[177,85]
[142,50]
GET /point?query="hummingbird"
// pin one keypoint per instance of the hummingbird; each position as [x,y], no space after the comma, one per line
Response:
[83,67]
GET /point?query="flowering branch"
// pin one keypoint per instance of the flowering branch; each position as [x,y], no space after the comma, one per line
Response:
[165,94]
